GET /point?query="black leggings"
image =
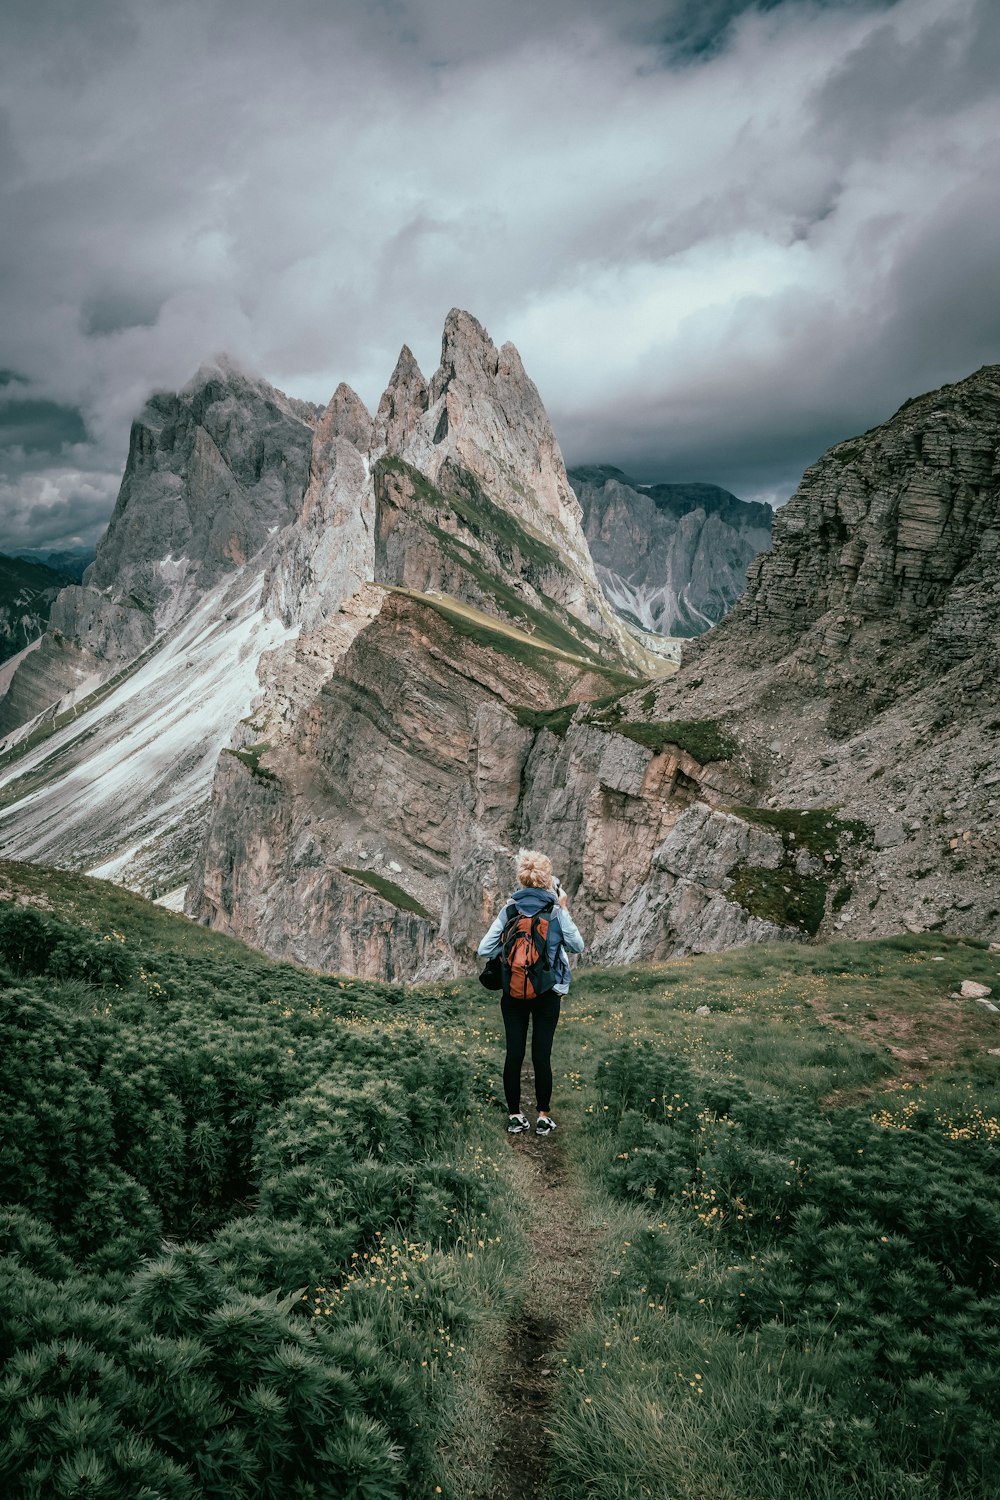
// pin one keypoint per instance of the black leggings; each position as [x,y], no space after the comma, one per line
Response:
[543,1012]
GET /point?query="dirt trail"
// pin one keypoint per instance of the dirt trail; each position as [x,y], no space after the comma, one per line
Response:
[558,1283]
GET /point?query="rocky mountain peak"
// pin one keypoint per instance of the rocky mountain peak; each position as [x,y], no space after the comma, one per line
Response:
[222,378]
[468,354]
[212,471]
[404,401]
[347,416]
[891,540]
[481,416]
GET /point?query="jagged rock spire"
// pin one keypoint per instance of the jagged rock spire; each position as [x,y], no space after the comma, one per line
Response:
[404,401]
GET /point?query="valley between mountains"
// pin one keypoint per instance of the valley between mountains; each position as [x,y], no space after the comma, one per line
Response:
[329,670]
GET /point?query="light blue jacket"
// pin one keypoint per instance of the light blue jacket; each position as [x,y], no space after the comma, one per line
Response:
[563,935]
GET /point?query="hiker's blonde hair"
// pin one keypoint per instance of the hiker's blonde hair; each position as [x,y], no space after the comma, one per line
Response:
[534,868]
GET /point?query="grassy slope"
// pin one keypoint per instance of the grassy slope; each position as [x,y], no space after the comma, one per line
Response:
[499,635]
[673,1386]
[800,1282]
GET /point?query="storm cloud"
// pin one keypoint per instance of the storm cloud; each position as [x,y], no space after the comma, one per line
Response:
[723,235]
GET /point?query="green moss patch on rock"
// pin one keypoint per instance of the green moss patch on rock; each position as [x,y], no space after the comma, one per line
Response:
[819,830]
[703,739]
[389,891]
[782,896]
[251,757]
[555,720]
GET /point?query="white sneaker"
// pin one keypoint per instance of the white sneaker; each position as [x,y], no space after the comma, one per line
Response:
[518,1124]
[545,1125]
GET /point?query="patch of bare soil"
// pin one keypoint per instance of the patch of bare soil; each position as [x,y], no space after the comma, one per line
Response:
[558,1283]
[917,1043]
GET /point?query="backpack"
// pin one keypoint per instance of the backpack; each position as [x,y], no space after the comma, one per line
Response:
[523,957]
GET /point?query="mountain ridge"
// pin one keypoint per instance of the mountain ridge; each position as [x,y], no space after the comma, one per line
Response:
[671,558]
[416,671]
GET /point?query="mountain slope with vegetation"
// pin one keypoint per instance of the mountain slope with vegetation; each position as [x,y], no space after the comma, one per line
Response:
[263,1233]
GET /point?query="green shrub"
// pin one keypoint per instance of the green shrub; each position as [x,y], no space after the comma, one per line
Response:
[197,1150]
[845,1261]
[27,938]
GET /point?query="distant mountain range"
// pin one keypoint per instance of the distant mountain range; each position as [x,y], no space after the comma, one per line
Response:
[71,562]
[672,558]
[27,593]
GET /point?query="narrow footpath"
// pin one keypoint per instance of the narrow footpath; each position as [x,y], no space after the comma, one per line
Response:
[558,1283]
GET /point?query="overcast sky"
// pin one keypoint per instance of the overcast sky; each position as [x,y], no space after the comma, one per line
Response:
[722,234]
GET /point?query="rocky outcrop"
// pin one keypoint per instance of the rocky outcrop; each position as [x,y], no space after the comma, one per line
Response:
[40,665]
[861,663]
[683,907]
[671,558]
[890,541]
[56,669]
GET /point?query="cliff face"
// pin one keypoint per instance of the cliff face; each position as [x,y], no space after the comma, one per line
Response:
[213,473]
[672,558]
[481,415]
[335,839]
[373,829]
[862,660]
[884,562]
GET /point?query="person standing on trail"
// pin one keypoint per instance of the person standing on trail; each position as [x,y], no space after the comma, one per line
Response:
[531,936]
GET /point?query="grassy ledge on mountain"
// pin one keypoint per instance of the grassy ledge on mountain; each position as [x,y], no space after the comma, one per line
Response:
[251,758]
[495,635]
[487,533]
[262,1227]
[701,738]
[389,891]
[790,895]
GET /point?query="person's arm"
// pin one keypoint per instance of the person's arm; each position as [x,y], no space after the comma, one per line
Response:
[490,945]
[571,939]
